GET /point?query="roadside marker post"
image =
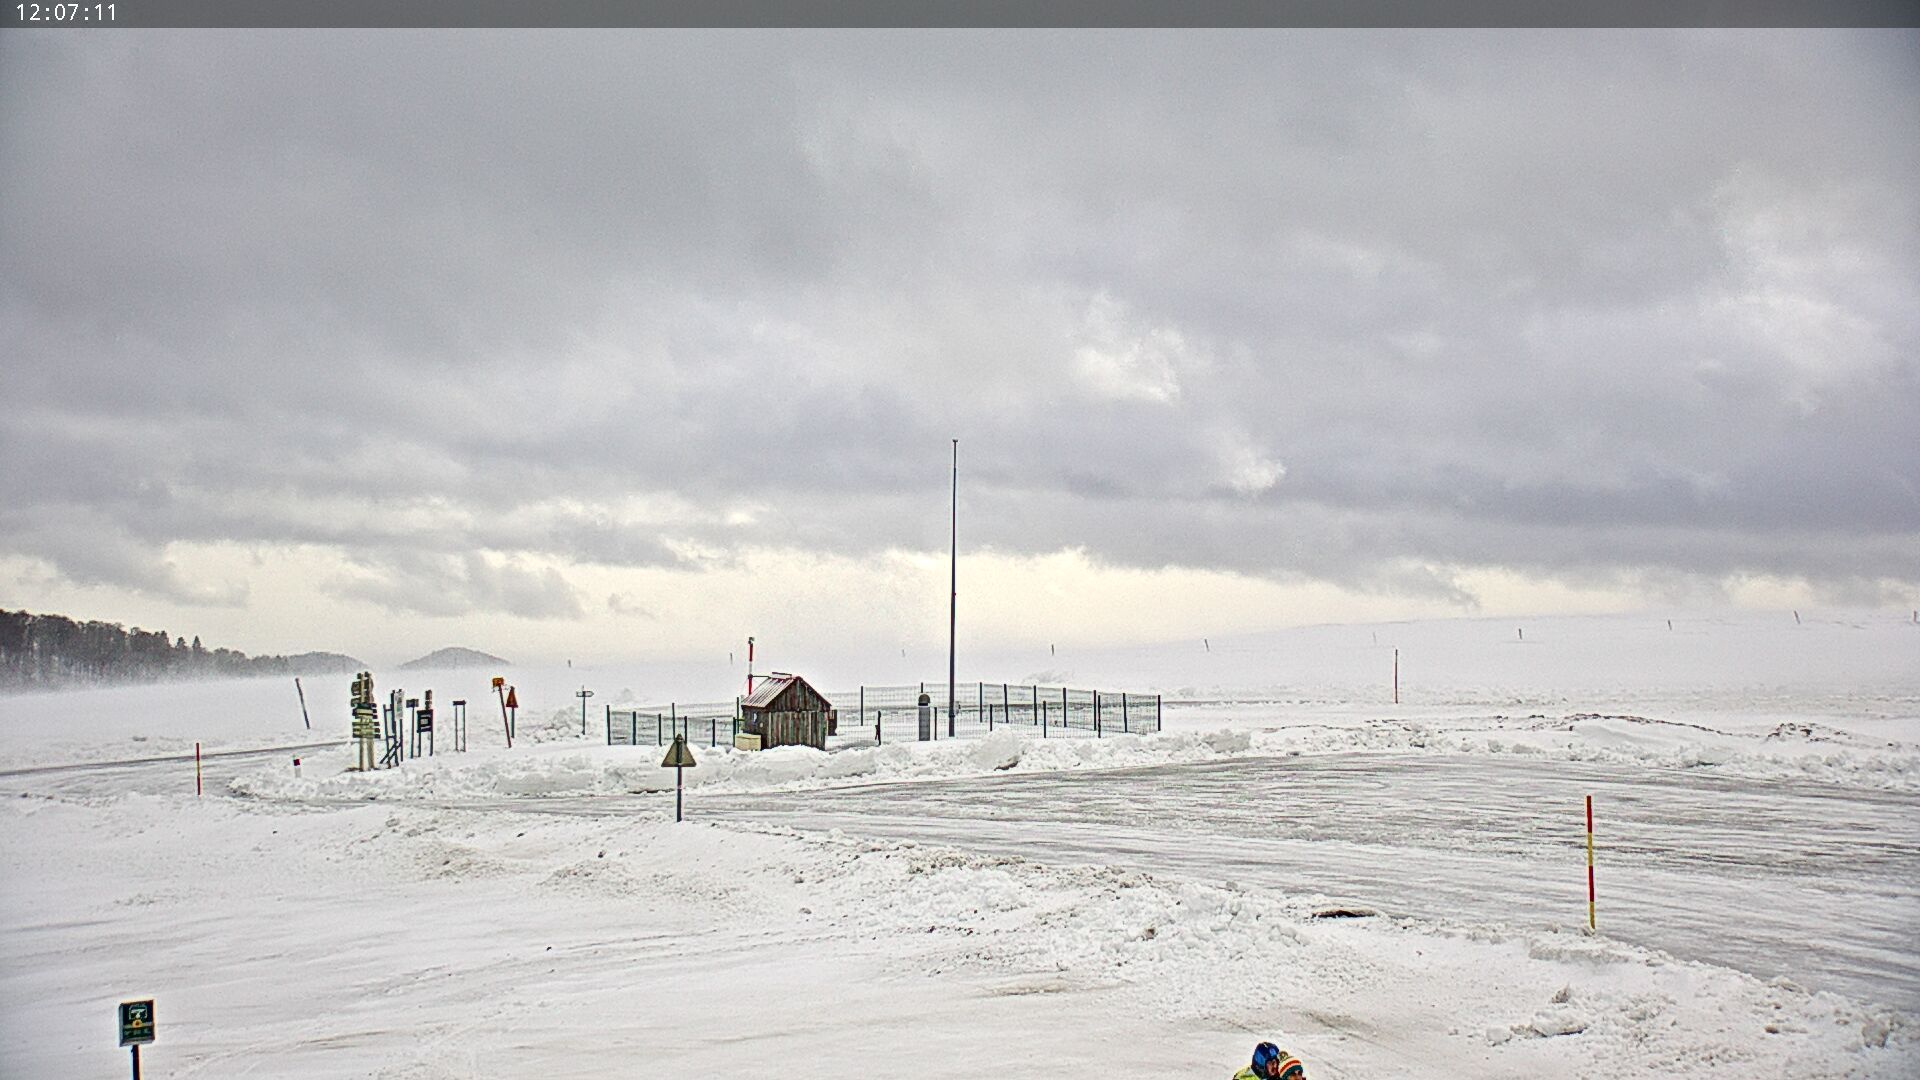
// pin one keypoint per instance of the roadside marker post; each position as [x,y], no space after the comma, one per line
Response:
[679,758]
[1590,922]
[136,1027]
[196,770]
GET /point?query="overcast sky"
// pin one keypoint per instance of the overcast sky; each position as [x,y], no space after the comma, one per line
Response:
[616,343]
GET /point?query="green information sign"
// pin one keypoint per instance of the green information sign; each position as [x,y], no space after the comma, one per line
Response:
[136,1022]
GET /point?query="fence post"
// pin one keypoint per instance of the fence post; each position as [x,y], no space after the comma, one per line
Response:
[863,708]
[1066,711]
[1043,718]
[1157,725]
[1124,729]
[979,701]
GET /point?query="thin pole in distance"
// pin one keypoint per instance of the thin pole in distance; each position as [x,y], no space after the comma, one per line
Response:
[953,585]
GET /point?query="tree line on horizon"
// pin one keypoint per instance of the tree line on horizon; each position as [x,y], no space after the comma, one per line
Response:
[55,651]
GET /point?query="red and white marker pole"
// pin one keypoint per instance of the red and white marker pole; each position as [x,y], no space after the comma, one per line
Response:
[1590,925]
[196,770]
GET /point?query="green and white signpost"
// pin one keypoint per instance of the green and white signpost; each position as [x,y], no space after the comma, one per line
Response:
[679,759]
[136,1027]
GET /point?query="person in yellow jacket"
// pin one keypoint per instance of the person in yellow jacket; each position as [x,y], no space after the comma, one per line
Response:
[1272,1063]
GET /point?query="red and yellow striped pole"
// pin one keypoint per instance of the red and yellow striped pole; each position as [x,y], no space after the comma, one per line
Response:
[1590,925]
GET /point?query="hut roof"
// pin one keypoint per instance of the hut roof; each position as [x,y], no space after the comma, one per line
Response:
[770,687]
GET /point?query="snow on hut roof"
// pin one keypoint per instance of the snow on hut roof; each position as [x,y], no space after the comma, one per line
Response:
[769,688]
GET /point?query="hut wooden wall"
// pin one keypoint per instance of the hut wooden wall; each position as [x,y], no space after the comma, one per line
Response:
[808,728]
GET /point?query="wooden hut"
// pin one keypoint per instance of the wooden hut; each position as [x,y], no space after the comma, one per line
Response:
[784,710]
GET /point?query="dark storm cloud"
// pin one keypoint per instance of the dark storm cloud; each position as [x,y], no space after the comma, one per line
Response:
[1598,306]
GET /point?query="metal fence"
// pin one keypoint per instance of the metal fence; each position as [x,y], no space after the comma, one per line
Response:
[891,713]
[983,706]
[702,724]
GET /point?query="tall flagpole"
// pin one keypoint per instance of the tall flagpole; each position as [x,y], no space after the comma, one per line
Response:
[953,585]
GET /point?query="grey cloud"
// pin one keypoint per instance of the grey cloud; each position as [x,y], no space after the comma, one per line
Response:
[1616,304]
[90,548]
[436,585]
[627,606]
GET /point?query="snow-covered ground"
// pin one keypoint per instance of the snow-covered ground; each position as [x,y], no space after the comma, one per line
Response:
[1134,906]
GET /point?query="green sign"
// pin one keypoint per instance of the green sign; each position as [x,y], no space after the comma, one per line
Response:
[136,1022]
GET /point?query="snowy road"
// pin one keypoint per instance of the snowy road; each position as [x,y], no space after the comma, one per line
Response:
[1827,879]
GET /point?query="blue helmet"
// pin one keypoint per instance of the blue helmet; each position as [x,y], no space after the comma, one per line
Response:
[1271,1061]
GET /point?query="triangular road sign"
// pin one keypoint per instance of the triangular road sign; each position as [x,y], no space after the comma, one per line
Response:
[513,699]
[678,755]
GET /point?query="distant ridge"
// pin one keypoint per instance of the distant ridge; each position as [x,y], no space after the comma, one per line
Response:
[453,657]
[319,663]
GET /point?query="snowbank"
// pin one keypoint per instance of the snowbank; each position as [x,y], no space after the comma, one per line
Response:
[562,767]
[1786,752]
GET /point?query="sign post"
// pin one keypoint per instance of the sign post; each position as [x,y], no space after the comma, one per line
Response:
[583,694]
[366,720]
[500,691]
[136,1027]
[679,758]
[423,724]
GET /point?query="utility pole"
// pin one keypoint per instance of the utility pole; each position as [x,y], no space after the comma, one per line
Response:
[953,594]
